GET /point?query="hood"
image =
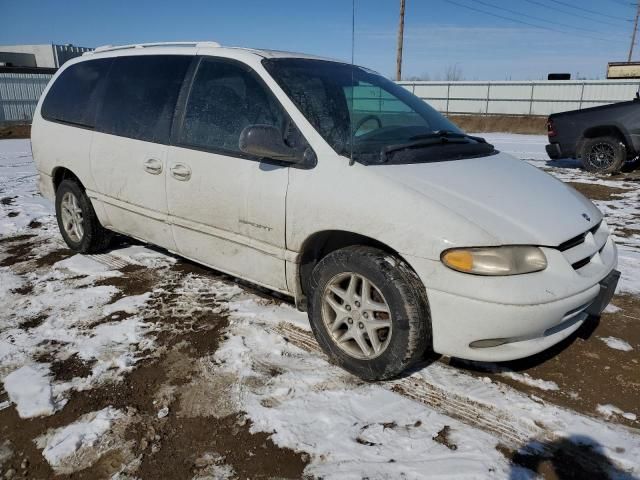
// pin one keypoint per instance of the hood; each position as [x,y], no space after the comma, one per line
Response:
[514,202]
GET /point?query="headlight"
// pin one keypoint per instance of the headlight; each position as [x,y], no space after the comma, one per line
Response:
[512,260]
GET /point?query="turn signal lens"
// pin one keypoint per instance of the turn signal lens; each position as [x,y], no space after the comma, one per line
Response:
[511,260]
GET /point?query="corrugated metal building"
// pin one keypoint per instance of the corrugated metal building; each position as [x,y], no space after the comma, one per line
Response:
[25,71]
[42,56]
[19,94]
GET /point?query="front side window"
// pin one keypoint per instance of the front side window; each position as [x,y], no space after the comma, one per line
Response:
[74,95]
[361,113]
[140,96]
[225,98]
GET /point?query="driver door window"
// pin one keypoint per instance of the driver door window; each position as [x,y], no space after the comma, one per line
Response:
[225,98]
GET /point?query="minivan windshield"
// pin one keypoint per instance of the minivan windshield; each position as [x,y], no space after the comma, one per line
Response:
[361,113]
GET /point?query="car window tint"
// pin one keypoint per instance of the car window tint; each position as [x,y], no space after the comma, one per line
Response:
[74,95]
[140,96]
[225,98]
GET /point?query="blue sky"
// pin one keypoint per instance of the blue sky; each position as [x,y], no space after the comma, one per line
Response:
[438,33]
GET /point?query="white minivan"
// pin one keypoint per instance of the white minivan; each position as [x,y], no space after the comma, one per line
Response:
[396,231]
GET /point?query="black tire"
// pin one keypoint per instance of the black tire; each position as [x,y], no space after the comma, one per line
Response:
[95,237]
[405,295]
[603,154]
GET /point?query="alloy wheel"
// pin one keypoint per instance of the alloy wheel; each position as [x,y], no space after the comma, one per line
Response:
[72,219]
[601,155]
[356,315]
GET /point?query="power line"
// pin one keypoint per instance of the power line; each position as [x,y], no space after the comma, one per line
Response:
[582,9]
[498,7]
[574,14]
[510,19]
[622,2]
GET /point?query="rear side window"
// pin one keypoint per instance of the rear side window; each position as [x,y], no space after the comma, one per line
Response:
[225,98]
[74,95]
[140,96]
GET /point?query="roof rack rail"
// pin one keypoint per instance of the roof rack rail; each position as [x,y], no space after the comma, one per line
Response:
[110,48]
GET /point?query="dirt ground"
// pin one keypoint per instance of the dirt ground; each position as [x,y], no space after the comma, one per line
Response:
[177,446]
[501,123]
[15,131]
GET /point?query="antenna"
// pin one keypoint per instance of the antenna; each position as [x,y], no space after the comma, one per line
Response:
[353,92]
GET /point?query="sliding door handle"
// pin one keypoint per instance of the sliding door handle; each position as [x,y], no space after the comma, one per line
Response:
[180,172]
[153,166]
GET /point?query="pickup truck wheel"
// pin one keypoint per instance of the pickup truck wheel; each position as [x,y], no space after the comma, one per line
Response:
[603,154]
[77,220]
[369,312]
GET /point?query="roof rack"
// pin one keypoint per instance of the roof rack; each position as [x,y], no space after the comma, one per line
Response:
[110,48]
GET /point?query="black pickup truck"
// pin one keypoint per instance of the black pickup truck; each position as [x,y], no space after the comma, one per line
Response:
[604,137]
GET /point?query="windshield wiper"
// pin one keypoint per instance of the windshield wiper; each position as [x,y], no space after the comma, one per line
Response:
[446,134]
[427,141]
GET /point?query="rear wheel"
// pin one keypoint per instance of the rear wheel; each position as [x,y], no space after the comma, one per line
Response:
[603,154]
[77,220]
[369,312]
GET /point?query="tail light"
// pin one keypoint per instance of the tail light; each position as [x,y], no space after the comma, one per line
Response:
[551,129]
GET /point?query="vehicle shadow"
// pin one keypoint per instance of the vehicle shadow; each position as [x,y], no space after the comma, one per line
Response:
[576,457]
[584,332]
[564,163]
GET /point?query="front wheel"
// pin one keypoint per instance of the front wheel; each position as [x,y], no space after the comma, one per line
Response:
[78,223]
[369,312]
[603,154]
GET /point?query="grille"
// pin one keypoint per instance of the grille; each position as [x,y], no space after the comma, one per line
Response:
[578,239]
[580,250]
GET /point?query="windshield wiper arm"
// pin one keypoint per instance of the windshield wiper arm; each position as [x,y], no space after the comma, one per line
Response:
[426,142]
[446,134]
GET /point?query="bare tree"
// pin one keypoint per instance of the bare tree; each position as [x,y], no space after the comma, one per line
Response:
[453,73]
[418,78]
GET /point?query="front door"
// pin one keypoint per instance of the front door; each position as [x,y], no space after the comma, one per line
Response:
[228,209]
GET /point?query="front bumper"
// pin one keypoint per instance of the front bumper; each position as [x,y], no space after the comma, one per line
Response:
[507,318]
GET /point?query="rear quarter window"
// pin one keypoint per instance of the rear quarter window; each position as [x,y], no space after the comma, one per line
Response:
[140,96]
[74,95]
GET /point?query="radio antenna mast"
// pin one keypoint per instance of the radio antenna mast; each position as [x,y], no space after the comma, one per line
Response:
[353,92]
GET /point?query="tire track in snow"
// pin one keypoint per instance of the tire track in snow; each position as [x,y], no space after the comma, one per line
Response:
[512,432]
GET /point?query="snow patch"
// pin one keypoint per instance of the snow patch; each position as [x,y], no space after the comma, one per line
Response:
[609,411]
[85,266]
[532,382]
[66,441]
[129,305]
[611,308]
[145,256]
[616,343]
[29,388]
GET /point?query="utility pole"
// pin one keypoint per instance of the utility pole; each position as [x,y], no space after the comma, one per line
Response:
[635,29]
[401,40]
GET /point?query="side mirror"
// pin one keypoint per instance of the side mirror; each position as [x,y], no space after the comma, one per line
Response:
[266,141]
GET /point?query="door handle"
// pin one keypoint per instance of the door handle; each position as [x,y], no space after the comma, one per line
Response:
[180,172]
[153,166]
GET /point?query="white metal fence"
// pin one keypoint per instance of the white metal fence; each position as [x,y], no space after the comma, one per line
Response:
[521,98]
[19,94]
